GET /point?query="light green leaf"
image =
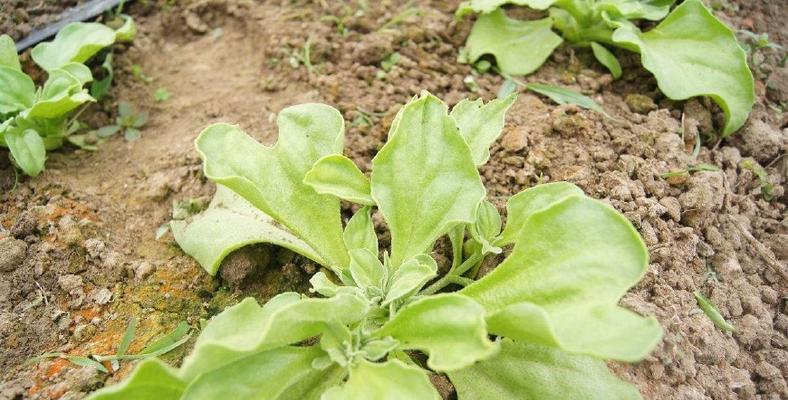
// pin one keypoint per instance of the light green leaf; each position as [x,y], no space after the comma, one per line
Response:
[8,56]
[284,373]
[151,380]
[450,328]
[228,224]
[28,149]
[523,371]
[714,315]
[271,178]
[247,328]
[562,95]
[487,227]
[338,176]
[78,71]
[519,47]
[360,231]
[486,6]
[572,263]
[62,92]
[524,204]
[365,268]
[424,179]
[76,42]
[376,349]
[392,380]
[127,31]
[606,58]
[18,90]
[653,10]
[691,53]
[410,277]
[322,285]
[480,124]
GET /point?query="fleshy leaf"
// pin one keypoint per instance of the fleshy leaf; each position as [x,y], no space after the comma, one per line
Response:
[424,179]
[366,269]
[338,176]
[76,42]
[8,56]
[271,178]
[524,204]
[606,58]
[519,47]
[360,232]
[410,277]
[529,371]
[282,373]
[653,10]
[151,380]
[691,53]
[450,328]
[388,381]
[572,262]
[247,328]
[79,71]
[480,124]
[28,149]
[127,31]
[62,92]
[18,90]
[228,224]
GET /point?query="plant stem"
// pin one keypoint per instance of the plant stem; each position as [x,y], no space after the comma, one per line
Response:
[454,276]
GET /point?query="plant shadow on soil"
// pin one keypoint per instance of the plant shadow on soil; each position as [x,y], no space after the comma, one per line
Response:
[79,255]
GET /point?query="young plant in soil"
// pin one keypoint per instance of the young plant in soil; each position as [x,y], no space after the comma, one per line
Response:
[34,120]
[690,52]
[540,325]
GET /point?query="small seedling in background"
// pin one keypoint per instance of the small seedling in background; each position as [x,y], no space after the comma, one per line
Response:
[138,74]
[161,95]
[689,170]
[304,57]
[714,315]
[387,64]
[127,120]
[767,189]
[757,41]
[401,17]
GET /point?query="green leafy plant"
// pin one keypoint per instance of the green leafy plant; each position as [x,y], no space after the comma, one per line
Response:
[161,95]
[34,120]
[690,52]
[385,321]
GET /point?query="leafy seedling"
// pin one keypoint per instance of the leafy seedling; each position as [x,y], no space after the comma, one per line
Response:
[161,95]
[139,74]
[128,121]
[34,120]
[384,320]
[690,52]
[304,57]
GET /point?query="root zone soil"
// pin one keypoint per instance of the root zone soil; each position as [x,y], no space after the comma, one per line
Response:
[88,225]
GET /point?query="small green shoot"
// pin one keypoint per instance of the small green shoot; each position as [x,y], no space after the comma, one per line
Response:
[401,17]
[714,315]
[689,170]
[304,57]
[161,95]
[139,74]
[767,188]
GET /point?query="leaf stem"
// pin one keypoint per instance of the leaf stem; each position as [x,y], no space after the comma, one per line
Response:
[454,276]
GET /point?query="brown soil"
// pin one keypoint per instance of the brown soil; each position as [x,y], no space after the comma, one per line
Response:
[79,257]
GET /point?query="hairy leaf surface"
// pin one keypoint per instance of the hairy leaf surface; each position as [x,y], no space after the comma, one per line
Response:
[571,264]
[337,175]
[524,204]
[691,53]
[522,371]
[450,328]
[519,47]
[228,224]
[392,380]
[271,178]
[424,179]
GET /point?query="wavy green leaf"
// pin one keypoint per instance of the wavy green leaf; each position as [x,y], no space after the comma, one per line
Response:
[271,178]
[450,328]
[572,263]
[76,42]
[481,124]
[519,47]
[284,373]
[127,31]
[247,328]
[424,179]
[524,204]
[228,224]
[365,268]
[410,277]
[18,90]
[151,380]
[62,92]
[338,176]
[28,149]
[691,53]
[606,58]
[392,380]
[522,371]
